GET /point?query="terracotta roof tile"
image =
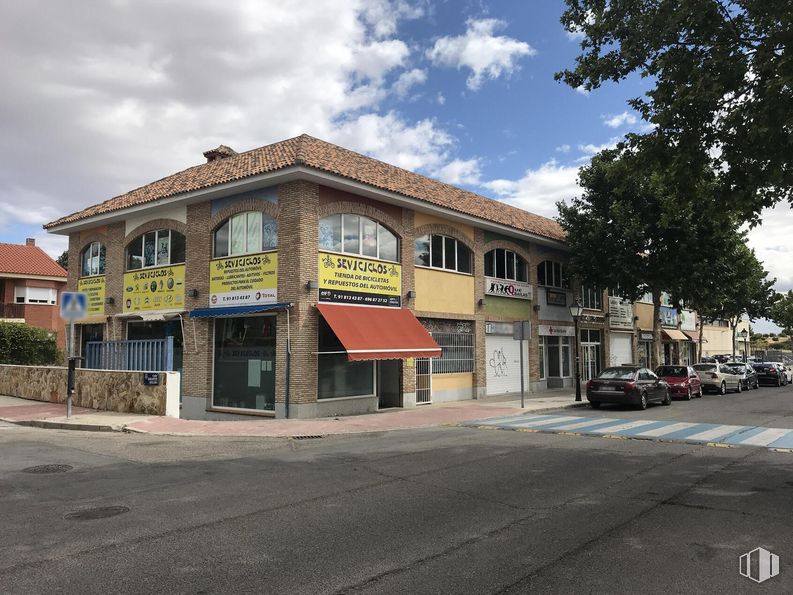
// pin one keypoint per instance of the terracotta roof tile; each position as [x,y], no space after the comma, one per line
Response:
[308,151]
[16,259]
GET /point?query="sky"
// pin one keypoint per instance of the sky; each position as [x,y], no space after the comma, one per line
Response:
[100,97]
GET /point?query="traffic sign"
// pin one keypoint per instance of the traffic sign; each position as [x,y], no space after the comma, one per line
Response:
[73,305]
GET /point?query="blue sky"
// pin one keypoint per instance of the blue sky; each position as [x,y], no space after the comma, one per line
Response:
[105,96]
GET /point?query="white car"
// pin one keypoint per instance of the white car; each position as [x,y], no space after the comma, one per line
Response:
[788,370]
[718,378]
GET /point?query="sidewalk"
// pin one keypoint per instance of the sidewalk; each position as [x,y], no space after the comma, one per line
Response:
[49,415]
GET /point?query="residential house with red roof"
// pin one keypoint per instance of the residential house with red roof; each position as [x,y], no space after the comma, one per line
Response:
[30,286]
[303,279]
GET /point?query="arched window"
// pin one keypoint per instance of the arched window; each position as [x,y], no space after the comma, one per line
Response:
[443,252]
[156,249]
[92,260]
[505,264]
[355,234]
[551,274]
[245,233]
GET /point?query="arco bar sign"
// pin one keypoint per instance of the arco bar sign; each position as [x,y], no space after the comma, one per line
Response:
[507,288]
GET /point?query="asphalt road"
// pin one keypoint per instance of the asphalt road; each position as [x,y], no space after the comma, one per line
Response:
[444,510]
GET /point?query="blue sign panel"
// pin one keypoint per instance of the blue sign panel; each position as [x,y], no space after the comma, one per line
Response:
[73,305]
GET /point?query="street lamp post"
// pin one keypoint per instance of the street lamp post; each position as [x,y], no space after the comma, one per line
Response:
[575,311]
[744,334]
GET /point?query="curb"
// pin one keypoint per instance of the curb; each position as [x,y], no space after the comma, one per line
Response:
[56,425]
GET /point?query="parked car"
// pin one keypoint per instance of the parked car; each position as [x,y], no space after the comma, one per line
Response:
[718,378]
[746,373]
[631,385]
[683,381]
[770,373]
[787,371]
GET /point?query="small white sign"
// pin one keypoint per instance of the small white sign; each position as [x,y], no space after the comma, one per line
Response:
[507,288]
[550,330]
[620,314]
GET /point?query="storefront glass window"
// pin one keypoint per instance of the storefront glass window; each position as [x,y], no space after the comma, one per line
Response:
[444,253]
[352,239]
[423,251]
[253,239]
[244,375]
[238,227]
[552,347]
[368,237]
[245,233]
[93,260]
[565,356]
[361,236]
[149,249]
[389,247]
[156,248]
[337,376]
[542,358]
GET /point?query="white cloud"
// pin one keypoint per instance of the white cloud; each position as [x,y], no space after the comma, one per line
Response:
[103,98]
[582,90]
[407,80]
[440,98]
[487,56]
[771,242]
[618,120]
[591,149]
[563,148]
[539,189]
[460,171]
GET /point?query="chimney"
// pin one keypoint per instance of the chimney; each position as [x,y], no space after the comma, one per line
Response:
[220,153]
[30,241]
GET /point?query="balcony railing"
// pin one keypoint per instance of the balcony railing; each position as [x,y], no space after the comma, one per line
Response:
[12,310]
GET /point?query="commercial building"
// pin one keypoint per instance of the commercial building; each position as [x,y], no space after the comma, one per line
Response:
[30,286]
[304,279]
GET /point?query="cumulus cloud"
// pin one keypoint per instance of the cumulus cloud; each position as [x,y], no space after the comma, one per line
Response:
[460,171]
[771,242]
[409,79]
[105,96]
[486,55]
[619,120]
[538,190]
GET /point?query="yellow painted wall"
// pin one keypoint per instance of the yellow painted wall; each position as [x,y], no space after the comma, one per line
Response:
[424,219]
[448,381]
[719,339]
[439,291]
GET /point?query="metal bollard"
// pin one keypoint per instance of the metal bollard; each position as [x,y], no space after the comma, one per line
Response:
[70,378]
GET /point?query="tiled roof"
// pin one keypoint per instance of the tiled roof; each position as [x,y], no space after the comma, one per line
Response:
[311,152]
[16,259]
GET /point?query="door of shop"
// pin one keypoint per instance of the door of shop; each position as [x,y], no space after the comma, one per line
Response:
[423,380]
[590,354]
[503,364]
[621,349]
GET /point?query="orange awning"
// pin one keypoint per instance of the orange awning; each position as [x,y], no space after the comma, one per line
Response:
[379,333]
[674,334]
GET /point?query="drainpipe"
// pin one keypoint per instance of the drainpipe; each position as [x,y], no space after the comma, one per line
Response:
[288,360]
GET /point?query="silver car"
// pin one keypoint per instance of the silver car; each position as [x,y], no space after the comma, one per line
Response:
[718,378]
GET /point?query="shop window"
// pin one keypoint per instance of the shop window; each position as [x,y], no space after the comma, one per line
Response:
[443,252]
[591,298]
[337,376]
[556,355]
[354,234]
[505,264]
[156,249]
[245,233]
[457,353]
[551,274]
[35,295]
[542,358]
[92,260]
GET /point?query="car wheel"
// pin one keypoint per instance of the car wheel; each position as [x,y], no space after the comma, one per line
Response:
[594,405]
[740,387]
[642,401]
[668,398]
[723,388]
[688,394]
[778,382]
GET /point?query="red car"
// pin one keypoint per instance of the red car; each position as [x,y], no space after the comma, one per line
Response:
[683,381]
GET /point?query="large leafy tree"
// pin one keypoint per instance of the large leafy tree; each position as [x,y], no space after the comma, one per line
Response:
[632,230]
[782,312]
[721,83]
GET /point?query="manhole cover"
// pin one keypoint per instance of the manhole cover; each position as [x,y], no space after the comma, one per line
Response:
[90,514]
[48,469]
[305,437]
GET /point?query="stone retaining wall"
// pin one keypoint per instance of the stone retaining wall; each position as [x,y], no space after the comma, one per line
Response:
[105,390]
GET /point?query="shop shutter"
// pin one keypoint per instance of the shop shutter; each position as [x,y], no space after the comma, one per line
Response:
[502,361]
[621,349]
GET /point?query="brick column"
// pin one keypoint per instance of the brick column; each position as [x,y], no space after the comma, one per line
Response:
[480,358]
[408,284]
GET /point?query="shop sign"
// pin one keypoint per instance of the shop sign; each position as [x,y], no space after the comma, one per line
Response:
[353,280]
[688,320]
[442,325]
[549,330]
[151,379]
[509,289]
[94,288]
[498,328]
[555,298]
[154,289]
[620,313]
[668,316]
[244,280]
[645,336]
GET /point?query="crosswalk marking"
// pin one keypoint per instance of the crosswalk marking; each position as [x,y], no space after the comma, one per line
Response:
[582,424]
[621,427]
[766,437]
[542,422]
[669,429]
[716,433]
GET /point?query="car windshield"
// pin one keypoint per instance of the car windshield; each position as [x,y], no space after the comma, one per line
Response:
[704,367]
[740,368]
[672,371]
[617,374]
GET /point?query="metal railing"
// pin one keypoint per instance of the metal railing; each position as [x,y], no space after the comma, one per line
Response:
[12,310]
[138,355]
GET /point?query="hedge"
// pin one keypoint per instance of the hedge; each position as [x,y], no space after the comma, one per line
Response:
[26,345]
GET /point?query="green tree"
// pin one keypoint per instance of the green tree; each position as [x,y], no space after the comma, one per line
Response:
[27,345]
[63,260]
[628,229]
[782,312]
[720,83]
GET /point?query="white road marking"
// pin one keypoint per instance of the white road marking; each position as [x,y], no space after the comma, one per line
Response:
[545,422]
[592,421]
[622,427]
[657,432]
[766,437]
[714,433]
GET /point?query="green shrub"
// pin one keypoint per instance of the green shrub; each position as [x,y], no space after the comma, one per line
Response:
[27,345]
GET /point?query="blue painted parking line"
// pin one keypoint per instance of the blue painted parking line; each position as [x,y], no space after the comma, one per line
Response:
[705,433]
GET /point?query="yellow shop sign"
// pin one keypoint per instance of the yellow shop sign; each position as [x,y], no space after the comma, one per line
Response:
[161,288]
[94,288]
[244,280]
[353,280]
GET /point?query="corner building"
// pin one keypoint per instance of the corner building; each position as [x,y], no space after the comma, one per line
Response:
[302,279]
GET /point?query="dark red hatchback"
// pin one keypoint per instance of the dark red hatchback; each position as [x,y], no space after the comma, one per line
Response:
[629,385]
[683,381]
